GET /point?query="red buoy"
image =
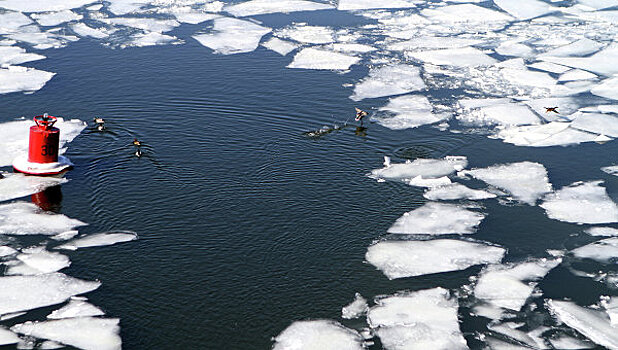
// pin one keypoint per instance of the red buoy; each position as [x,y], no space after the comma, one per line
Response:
[43,158]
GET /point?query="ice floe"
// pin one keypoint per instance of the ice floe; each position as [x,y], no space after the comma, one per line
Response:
[577,74]
[607,89]
[398,259]
[602,231]
[612,170]
[22,218]
[581,202]
[148,24]
[231,35]
[409,111]
[432,42]
[460,57]
[44,261]
[465,13]
[526,181]
[22,79]
[597,123]
[525,9]
[593,324]
[89,333]
[83,30]
[426,168]
[6,251]
[18,185]
[22,293]
[507,114]
[550,67]
[150,39]
[10,22]
[425,319]
[306,34]
[514,48]
[44,40]
[347,5]
[599,63]
[569,343]
[43,5]
[11,55]
[389,80]
[604,250]
[100,239]
[318,334]
[55,18]
[356,308]
[8,337]
[76,308]
[50,345]
[456,191]
[545,135]
[281,47]
[582,47]
[313,58]
[261,7]
[436,219]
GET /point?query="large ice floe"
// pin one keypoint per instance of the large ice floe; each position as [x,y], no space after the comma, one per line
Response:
[12,55]
[99,239]
[18,79]
[389,80]
[526,181]
[89,333]
[398,259]
[261,7]
[18,185]
[406,112]
[314,58]
[582,203]
[425,168]
[22,218]
[436,219]
[231,35]
[318,334]
[425,319]
[605,250]
[460,57]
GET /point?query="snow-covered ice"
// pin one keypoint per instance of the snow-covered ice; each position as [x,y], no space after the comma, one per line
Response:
[408,111]
[427,168]
[545,135]
[435,218]
[550,67]
[398,259]
[581,202]
[231,36]
[356,308]
[6,251]
[602,231]
[577,74]
[76,308]
[318,334]
[600,62]
[100,239]
[22,79]
[389,80]
[282,47]
[456,191]
[22,218]
[11,55]
[261,7]
[582,47]
[459,57]
[526,181]
[604,250]
[89,333]
[11,22]
[150,39]
[514,48]
[55,18]
[312,58]
[432,42]
[308,34]
[147,24]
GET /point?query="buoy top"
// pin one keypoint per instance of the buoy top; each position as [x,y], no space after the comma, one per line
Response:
[45,121]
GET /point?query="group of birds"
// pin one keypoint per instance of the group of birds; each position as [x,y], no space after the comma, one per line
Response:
[100,126]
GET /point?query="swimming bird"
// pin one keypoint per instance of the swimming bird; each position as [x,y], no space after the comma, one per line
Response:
[551,109]
[360,114]
[138,145]
[100,123]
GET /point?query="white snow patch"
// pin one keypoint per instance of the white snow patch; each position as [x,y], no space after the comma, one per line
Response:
[459,57]
[261,7]
[17,78]
[389,80]
[100,239]
[318,334]
[356,308]
[282,47]
[604,250]
[76,308]
[581,202]
[427,168]
[437,218]
[312,58]
[456,191]
[22,218]
[232,36]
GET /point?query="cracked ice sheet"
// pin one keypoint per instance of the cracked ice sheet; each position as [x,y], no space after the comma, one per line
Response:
[603,251]
[456,191]
[312,58]
[14,136]
[261,7]
[348,5]
[460,57]
[231,36]
[19,185]
[526,181]
[465,13]
[318,334]
[525,9]
[100,239]
[581,203]
[22,218]
[597,123]
[410,111]
[436,219]
[55,18]
[593,324]
[426,168]
[43,5]
[425,319]
[22,79]
[83,332]
[398,259]
[504,285]
[389,80]
[22,293]
[545,135]
[600,63]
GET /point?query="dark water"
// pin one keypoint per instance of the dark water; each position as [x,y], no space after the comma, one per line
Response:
[246,224]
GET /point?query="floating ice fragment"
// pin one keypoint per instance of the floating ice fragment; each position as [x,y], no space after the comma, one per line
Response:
[8,337]
[44,261]
[55,18]
[600,62]
[122,7]
[581,202]
[526,181]
[427,168]
[83,30]
[63,236]
[43,5]
[100,239]
[190,15]
[437,218]
[607,89]
[16,79]
[509,330]
[425,319]
[88,333]
[410,111]
[18,185]
[612,170]
[76,308]
[597,123]
[550,67]
[356,308]
[147,24]
[545,135]
[604,250]
[593,324]
[22,218]
[508,114]
[151,39]
[432,42]
[50,345]
[351,47]
[582,47]
[465,13]
[308,34]
[456,191]
[6,251]
[261,7]
[460,57]
[602,231]
[389,80]
[232,36]
[398,259]
[576,74]
[610,304]
[318,334]
[16,55]
[525,9]
[419,181]
[348,5]
[10,22]
[569,343]
[513,48]
[566,106]
[312,58]
[281,47]
[22,293]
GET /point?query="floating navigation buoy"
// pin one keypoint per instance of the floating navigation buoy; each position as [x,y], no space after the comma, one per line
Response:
[43,158]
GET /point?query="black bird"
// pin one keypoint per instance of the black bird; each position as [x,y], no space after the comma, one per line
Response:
[551,109]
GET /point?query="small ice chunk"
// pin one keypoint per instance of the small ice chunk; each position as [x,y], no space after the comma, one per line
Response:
[100,239]
[581,202]
[602,231]
[356,308]
[308,34]
[50,345]
[593,324]
[83,30]
[281,47]
[22,293]
[22,218]
[436,219]
[318,334]
[426,319]
[76,308]
[550,67]
[150,39]
[312,58]
[232,36]
[22,79]
[43,5]
[64,236]
[187,14]
[459,57]
[612,170]
[6,251]
[604,250]
[89,333]
[456,191]
[576,74]
[419,181]
[44,261]
[49,19]
[610,304]
[564,342]
[147,24]
[514,48]
[8,337]
[508,114]
[582,47]
[427,168]
[607,89]
[398,259]
[18,185]
[525,9]
[465,13]
[432,42]
[261,7]
[526,181]
[349,5]
[510,330]
[409,111]
[10,55]
[597,123]
[351,47]
[389,80]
